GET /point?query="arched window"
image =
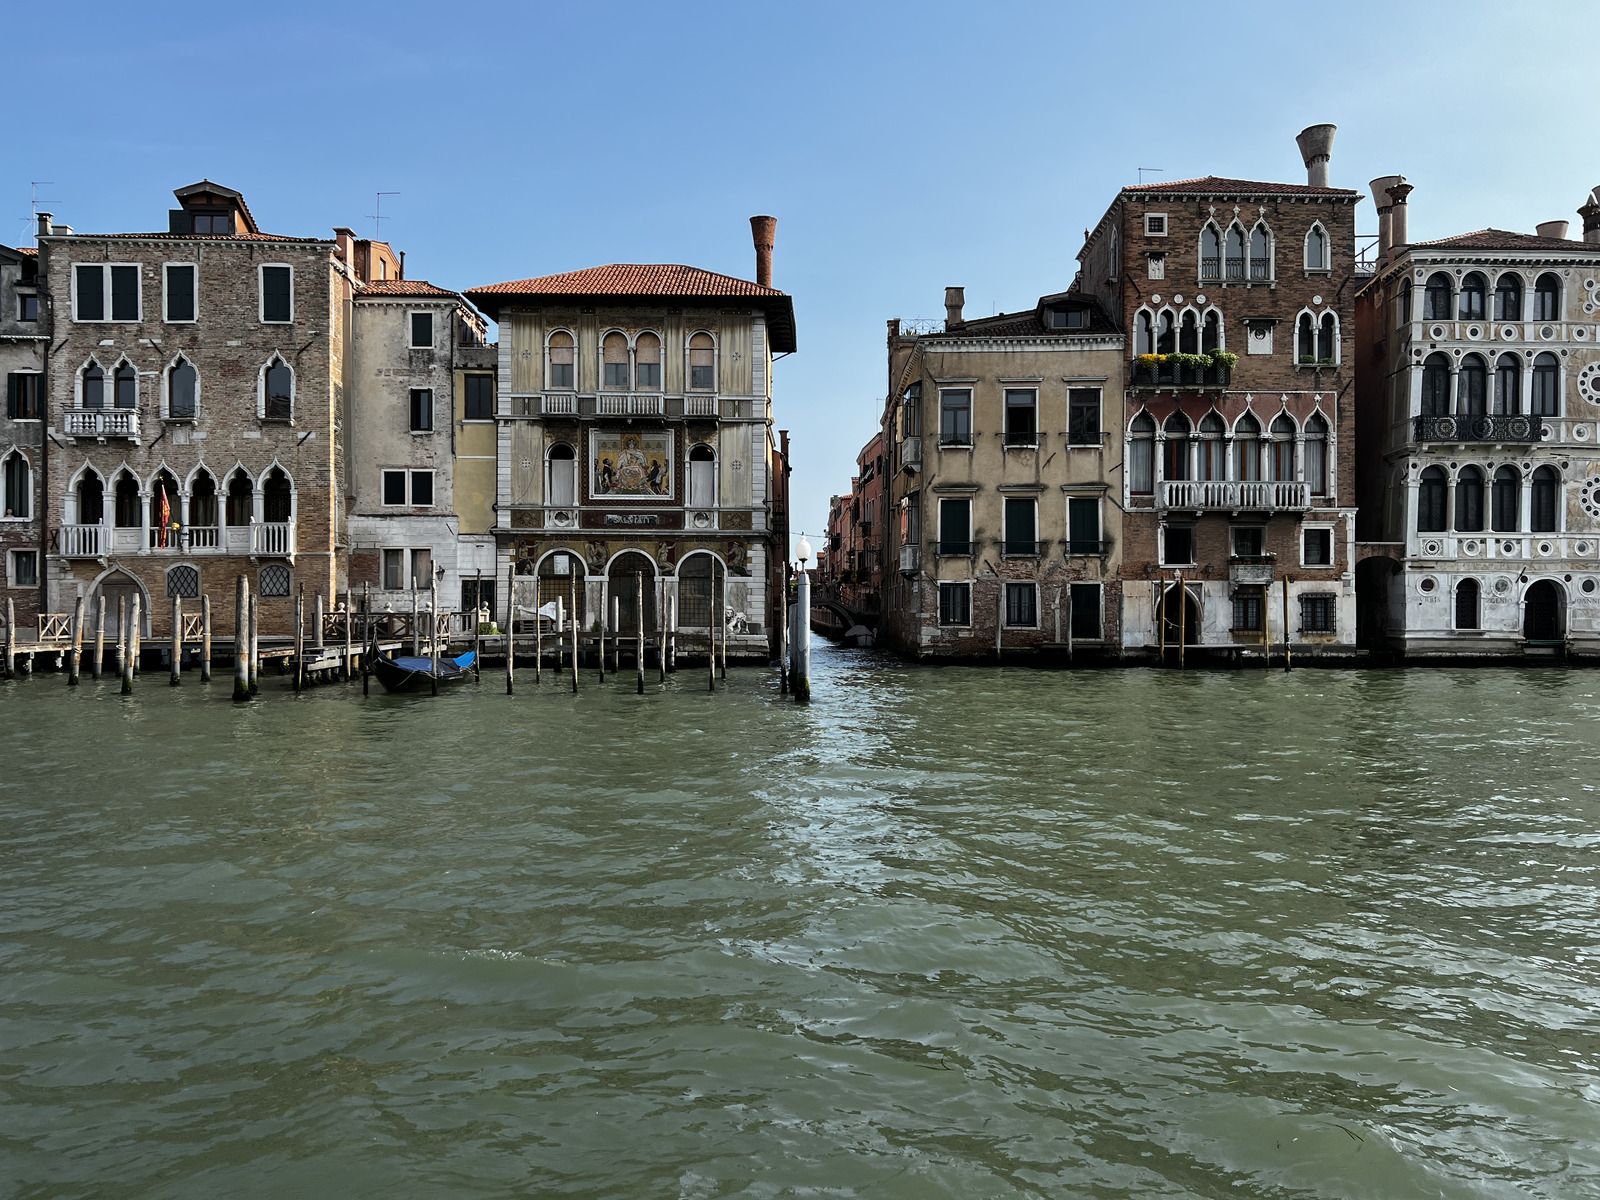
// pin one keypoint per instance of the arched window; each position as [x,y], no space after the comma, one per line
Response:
[1472,386]
[1235,256]
[128,513]
[562,357]
[1141,455]
[563,476]
[1508,297]
[1542,501]
[1436,299]
[183,390]
[1405,302]
[165,511]
[1282,448]
[1166,334]
[1503,496]
[614,361]
[1508,386]
[1436,386]
[241,499]
[203,511]
[19,487]
[1317,249]
[1144,336]
[91,499]
[1328,338]
[1210,253]
[277,498]
[1213,449]
[702,477]
[1430,501]
[1316,455]
[1467,604]
[1469,302]
[1546,387]
[94,386]
[277,391]
[1247,448]
[1547,298]
[1211,333]
[1469,500]
[125,381]
[647,362]
[1175,455]
[702,363]
[1305,339]
[1260,253]
[1189,333]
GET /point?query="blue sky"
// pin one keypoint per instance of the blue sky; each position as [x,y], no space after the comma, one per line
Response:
[901,147]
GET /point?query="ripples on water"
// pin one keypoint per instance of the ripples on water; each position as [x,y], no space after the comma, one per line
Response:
[949,932]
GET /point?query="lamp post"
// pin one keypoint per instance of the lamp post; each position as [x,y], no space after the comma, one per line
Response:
[800,633]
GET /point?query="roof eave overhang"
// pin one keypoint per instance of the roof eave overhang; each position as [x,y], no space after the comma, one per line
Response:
[779,308]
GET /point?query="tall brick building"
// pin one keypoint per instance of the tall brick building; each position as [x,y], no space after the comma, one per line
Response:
[24,330]
[1237,298]
[195,388]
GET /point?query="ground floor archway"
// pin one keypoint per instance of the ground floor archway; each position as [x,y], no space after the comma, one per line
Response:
[1543,612]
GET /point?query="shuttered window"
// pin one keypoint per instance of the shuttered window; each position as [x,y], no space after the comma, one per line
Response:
[276,304]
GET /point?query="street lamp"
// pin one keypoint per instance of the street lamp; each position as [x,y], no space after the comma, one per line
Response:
[802,550]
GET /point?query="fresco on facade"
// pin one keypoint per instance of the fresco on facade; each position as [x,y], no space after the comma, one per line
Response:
[630,466]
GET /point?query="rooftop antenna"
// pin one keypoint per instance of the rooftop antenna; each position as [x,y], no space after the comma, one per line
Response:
[33,200]
[1152,170]
[377,217]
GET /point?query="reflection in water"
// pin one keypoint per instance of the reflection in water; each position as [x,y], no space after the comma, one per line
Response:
[946,932]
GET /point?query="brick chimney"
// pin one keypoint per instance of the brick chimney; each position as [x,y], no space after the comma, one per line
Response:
[46,227]
[1553,229]
[763,231]
[955,299]
[1316,145]
[1590,213]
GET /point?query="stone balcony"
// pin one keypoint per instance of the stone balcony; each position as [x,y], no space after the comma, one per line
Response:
[1234,495]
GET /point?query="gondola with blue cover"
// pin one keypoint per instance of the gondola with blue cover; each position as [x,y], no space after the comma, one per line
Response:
[414,673]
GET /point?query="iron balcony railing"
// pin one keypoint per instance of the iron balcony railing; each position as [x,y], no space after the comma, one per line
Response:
[1172,375]
[1086,547]
[101,422]
[955,549]
[1011,548]
[1477,427]
[1235,267]
[1210,269]
[1233,494]
[1022,437]
[1260,268]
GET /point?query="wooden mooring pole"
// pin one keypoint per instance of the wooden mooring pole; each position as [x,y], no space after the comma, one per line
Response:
[433,635]
[130,639]
[1285,622]
[783,631]
[574,635]
[711,634]
[205,638]
[416,624]
[11,637]
[1183,612]
[77,642]
[672,633]
[176,652]
[316,630]
[253,646]
[477,630]
[511,627]
[349,618]
[639,645]
[366,639]
[122,634]
[661,620]
[99,637]
[241,639]
[300,638]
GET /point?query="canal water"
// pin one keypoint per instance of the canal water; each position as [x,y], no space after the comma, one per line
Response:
[947,933]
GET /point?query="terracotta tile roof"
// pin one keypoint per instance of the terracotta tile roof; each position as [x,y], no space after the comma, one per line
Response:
[1212,185]
[405,287]
[27,250]
[630,282]
[1030,323]
[629,279]
[1505,239]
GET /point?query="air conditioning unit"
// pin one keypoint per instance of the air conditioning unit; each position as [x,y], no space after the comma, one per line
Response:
[910,559]
[910,454]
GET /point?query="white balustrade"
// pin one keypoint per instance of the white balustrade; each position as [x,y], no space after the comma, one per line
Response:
[83,541]
[1235,494]
[272,538]
[100,422]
